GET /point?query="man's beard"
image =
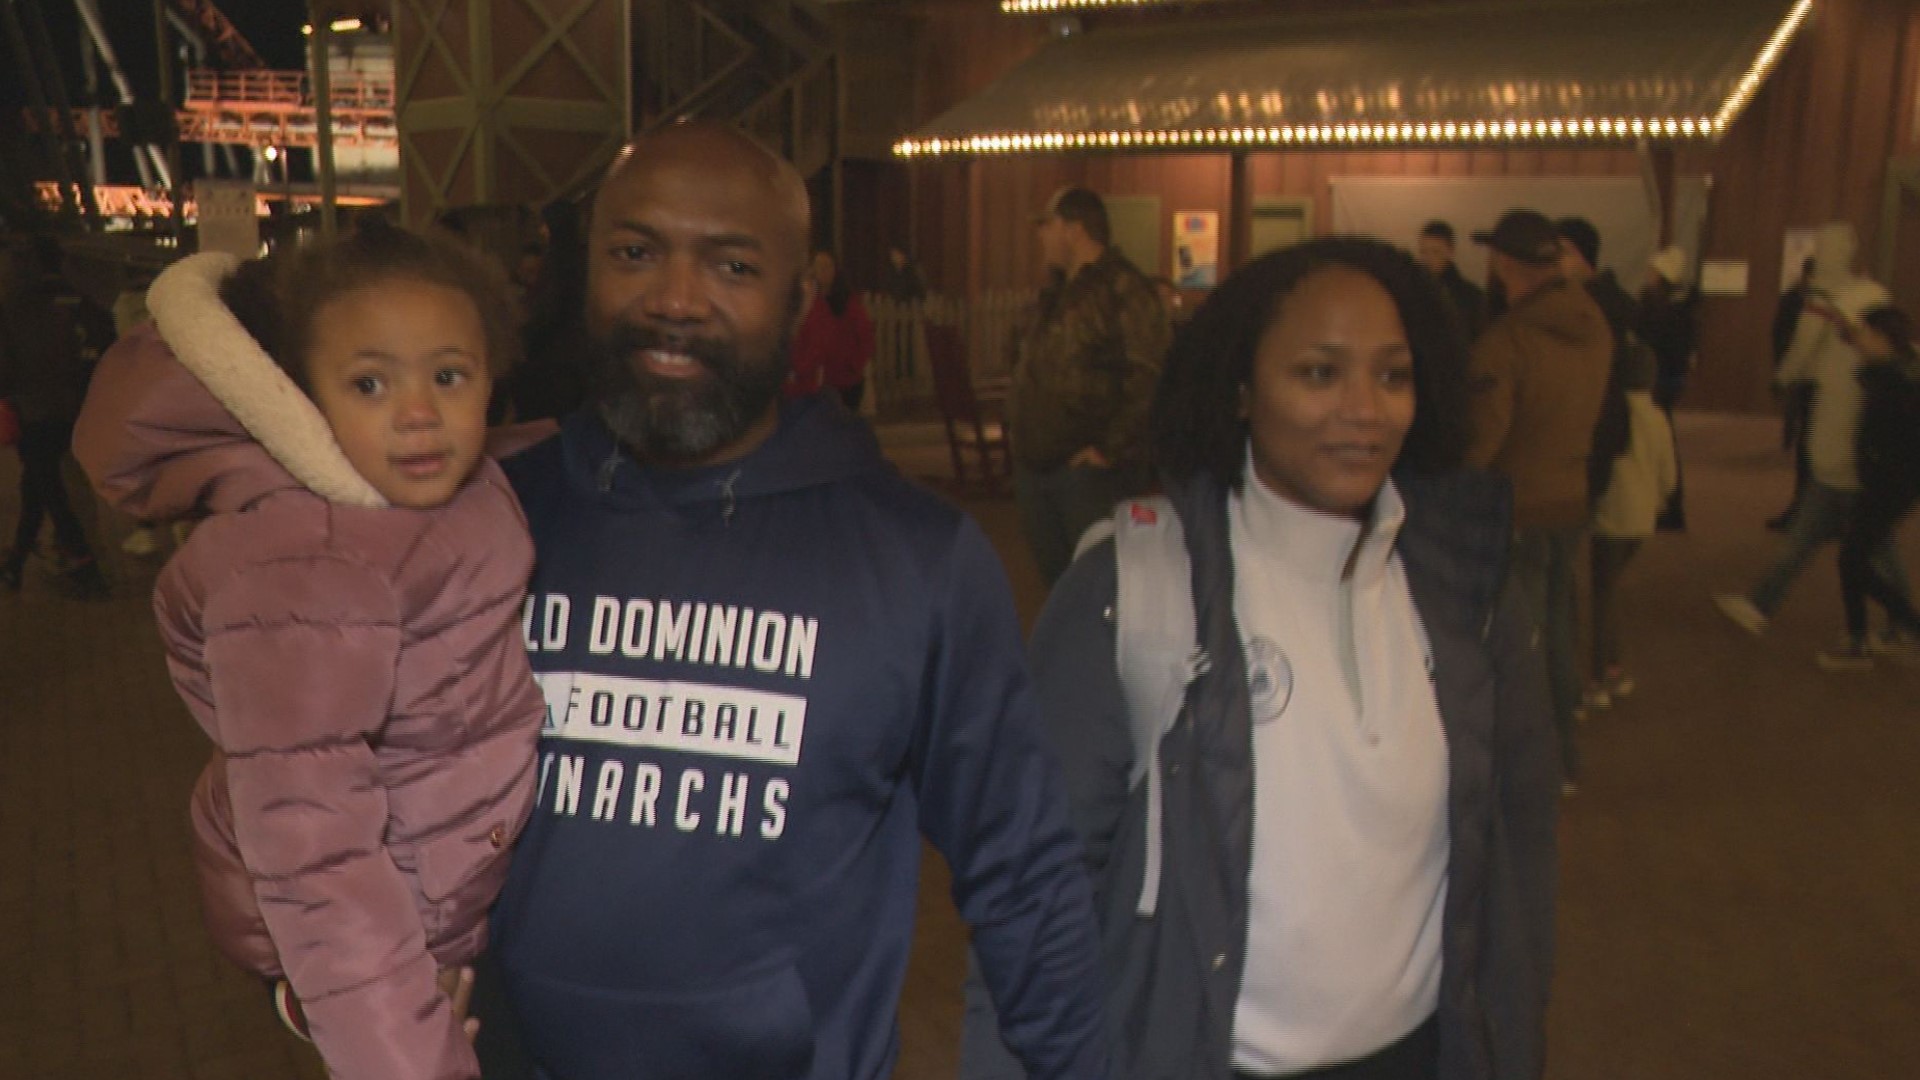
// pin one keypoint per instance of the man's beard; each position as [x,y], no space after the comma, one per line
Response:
[676,421]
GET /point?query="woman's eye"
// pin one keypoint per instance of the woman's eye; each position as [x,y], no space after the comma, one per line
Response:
[449,377]
[366,384]
[1397,376]
[1317,374]
[632,252]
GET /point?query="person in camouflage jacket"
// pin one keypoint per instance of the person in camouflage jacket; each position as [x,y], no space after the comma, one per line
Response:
[1086,360]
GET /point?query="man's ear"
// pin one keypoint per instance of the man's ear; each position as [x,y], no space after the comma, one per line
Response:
[803,301]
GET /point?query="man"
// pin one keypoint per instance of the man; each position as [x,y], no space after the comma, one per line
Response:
[1086,362]
[771,665]
[1580,262]
[1796,400]
[1435,250]
[1822,356]
[1539,378]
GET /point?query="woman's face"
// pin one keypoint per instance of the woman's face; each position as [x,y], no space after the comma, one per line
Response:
[1331,395]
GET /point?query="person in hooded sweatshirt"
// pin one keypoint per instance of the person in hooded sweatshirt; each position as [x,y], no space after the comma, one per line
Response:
[345,623]
[1539,380]
[772,666]
[1823,355]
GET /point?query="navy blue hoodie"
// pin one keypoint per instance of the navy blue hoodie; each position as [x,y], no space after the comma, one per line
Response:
[765,681]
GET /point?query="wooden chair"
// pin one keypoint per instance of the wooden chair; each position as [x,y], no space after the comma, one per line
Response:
[975,417]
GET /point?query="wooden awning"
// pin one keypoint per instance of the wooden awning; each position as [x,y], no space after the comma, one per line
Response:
[1568,72]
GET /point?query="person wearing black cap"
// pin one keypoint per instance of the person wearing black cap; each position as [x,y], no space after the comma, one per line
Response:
[1580,262]
[1085,364]
[1539,379]
[1435,252]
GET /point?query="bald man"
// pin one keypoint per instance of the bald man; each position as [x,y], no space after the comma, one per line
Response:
[771,666]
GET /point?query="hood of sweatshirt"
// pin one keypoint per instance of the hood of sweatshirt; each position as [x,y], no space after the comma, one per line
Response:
[1562,311]
[1834,248]
[189,414]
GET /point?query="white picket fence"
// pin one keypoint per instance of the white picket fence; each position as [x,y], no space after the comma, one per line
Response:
[901,378]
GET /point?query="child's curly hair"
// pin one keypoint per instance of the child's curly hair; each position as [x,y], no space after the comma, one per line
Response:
[278,299]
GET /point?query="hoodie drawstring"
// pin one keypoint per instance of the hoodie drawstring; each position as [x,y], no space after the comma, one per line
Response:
[607,469]
[726,493]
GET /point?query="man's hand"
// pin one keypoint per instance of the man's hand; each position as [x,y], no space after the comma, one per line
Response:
[1089,458]
[457,984]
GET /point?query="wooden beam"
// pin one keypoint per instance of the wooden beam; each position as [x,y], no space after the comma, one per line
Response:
[1239,212]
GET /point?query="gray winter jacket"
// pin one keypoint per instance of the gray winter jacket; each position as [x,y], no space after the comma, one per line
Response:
[1173,978]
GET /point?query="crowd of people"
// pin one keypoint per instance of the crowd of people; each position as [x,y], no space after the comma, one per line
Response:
[603,744]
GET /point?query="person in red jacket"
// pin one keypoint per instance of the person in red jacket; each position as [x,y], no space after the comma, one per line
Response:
[835,343]
[345,624]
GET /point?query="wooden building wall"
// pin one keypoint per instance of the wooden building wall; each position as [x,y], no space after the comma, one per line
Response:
[1813,146]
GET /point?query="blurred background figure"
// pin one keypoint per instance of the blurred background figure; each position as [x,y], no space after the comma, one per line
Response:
[1436,252]
[1540,375]
[550,380]
[900,279]
[1641,477]
[43,372]
[1580,264]
[1670,325]
[1796,400]
[835,343]
[1085,361]
[1171,300]
[1823,356]
[1888,448]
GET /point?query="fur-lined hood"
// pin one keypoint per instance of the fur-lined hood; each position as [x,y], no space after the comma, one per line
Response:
[190,414]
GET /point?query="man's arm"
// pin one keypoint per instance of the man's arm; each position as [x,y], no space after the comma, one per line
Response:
[1145,335]
[1816,322]
[992,800]
[301,654]
[1491,377]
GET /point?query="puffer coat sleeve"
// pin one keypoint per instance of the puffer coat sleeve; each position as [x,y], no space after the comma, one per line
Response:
[302,652]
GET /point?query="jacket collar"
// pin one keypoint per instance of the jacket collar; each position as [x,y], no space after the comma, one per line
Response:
[1453,542]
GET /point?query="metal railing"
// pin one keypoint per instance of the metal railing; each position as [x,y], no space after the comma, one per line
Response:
[267,89]
[901,378]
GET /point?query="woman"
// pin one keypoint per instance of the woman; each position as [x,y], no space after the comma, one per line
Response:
[1333,855]
[835,343]
[1888,453]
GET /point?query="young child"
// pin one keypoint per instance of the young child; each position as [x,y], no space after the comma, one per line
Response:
[344,624]
[1643,479]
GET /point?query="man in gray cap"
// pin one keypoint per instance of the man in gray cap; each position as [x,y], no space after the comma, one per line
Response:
[1539,378]
[1085,363]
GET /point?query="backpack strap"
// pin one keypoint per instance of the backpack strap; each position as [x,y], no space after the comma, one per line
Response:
[1156,651]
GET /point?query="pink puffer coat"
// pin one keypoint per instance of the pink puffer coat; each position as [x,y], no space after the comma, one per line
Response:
[358,667]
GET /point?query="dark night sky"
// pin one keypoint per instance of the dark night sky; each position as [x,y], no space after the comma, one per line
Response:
[272,26]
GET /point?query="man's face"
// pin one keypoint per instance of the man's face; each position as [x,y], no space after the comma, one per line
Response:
[694,287]
[1435,253]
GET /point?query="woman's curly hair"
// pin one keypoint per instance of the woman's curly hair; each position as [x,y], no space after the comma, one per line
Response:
[1197,426]
[277,300]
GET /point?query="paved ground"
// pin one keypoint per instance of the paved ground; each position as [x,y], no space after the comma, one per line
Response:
[1739,868]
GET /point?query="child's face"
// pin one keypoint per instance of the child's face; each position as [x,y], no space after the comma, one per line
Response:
[399,369]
